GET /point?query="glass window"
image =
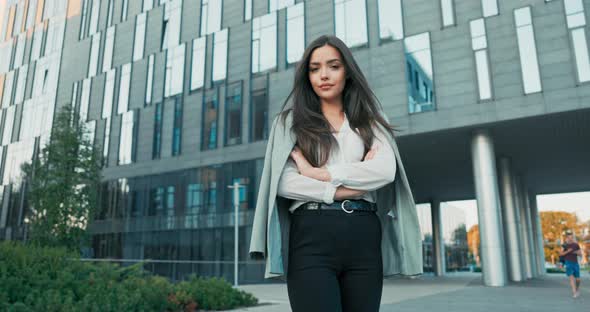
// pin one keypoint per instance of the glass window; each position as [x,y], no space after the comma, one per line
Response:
[106,142]
[194,198]
[94,51]
[448,12]
[19,53]
[55,36]
[489,7]
[418,54]
[19,95]
[156,207]
[351,22]
[10,25]
[109,91]
[109,45]
[139,40]
[111,8]
[157,142]
[391,23]
[531,77]
[259,115]
[275,5]
[2,80]
[210,110]
[8,87]
[84,19]
[170,201]
[124,85]
[479,46]
[149,81]
[264,42]
[177,130]
[220,55]
[210,16]
[125,10]
[295,32]
[581,53]
[37,41]
[174,71]
[8,125]
[147,5]
[247,10]
[127,138]
[198,63]
[574,11]
[233,114]
[93,23]
[85,99]
[171,27]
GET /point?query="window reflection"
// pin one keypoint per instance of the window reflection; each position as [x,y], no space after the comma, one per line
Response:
[209,137]
[259,102]
[210,16]
[174,71]
[576,20]
[264,42]
[157,140]
[220,55]
[233,111]
[351,21]
[391,25]
[448,12]
[419,73]
[177,126]
[295,32]
[527,49]
[489,7]
[139,40]
[198,63]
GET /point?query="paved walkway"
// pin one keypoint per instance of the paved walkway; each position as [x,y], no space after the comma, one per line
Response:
[455,292]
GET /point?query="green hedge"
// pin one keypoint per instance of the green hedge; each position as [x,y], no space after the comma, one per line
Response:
[53,279]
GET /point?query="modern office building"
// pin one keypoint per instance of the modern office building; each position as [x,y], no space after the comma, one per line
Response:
[491,99]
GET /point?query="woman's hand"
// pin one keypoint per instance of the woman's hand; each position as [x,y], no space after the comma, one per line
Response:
[306,169]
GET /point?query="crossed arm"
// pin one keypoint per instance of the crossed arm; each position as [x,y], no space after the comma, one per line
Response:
[301,181]
[565,252]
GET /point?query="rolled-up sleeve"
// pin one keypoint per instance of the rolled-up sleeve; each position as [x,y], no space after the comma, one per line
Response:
[295,186]
[367,175]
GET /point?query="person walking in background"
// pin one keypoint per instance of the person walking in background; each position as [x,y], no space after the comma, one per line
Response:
[572,267]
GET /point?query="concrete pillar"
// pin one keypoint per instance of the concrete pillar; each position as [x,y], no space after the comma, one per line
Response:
[530,232]
[537,234]
[438,246]
[511,219]
[488,208]
[526,255]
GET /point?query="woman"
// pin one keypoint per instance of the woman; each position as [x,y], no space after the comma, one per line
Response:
[329,213]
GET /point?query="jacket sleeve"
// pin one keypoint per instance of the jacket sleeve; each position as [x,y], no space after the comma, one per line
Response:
[367,175]
[259,226]
[295,186]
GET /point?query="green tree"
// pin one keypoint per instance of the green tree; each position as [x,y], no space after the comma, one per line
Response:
[62,184]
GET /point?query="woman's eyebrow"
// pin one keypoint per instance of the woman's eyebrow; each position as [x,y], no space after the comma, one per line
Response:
[330,61]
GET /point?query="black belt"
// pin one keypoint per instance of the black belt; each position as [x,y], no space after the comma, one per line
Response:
[348,206]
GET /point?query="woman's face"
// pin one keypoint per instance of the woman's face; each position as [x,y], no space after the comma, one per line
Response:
[327,74]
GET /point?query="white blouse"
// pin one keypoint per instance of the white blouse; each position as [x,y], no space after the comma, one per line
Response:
[346,168]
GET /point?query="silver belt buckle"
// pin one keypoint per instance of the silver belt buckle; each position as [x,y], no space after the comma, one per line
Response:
[342,206]
[312,206]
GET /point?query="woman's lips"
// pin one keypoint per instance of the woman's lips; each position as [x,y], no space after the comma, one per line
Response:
[326,87]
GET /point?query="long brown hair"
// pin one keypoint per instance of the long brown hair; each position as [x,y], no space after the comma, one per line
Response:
[311,128]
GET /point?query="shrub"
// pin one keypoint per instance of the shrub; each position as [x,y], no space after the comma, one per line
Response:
[54,279]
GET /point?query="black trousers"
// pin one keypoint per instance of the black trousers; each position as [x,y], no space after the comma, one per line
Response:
[334,261]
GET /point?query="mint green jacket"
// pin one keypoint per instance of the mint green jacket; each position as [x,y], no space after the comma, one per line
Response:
[401,243]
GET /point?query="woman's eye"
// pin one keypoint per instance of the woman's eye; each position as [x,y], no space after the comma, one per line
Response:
[313,69]
[335,67]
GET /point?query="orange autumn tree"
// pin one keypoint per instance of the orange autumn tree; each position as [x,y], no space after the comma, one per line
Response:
[473,243]
[555,224]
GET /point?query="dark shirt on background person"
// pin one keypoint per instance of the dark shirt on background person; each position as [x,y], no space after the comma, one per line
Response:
[572,256]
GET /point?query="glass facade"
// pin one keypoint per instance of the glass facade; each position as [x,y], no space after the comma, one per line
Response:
[489,7]
[527,48]
[124,85]
[391,22]
[210,111]
[210,16]
[174,71]
[576,22]
[247,10]
[264,43]
[149,81]
[479,45]
[447,8]
[295,32]
[420,79]
[351,22]
[198,63]
[139,40]
[177,127]
[127,138]
[259,113]
[157,138]
[233,114]
[109,45]
[94,52]
[220,46]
